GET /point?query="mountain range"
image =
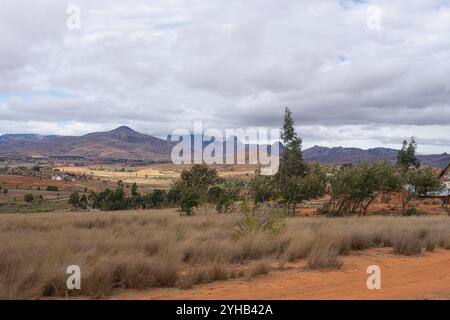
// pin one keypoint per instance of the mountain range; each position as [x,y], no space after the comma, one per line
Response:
[120,143]
[340,155]
[124,143]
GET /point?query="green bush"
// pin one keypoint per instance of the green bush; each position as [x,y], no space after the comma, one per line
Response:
[260,219]
[28,197]
[190,201]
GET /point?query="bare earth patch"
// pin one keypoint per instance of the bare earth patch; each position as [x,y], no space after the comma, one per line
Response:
[418,277]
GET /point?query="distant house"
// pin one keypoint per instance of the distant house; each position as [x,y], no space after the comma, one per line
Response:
[444,194]
[268,171]
[64,176]
[444,176]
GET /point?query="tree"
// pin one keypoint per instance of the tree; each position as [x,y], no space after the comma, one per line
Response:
[406,156]
[262,188]
[376,179]
[52,188]
[416,181]
[293,169]
[5,191]
[109,200]
[310,186]
[200,177]
[292,163]
[223,197]
[193,186]
[78,202]
[355,188]
[134,189]
[28,197]
[158,198]
[83,202]
[173,196]
[189,201]
[419,183]
[74,200]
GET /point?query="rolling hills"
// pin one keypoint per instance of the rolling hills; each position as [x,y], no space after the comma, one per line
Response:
[124,143]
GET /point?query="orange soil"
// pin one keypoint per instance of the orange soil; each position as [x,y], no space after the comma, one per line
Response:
[24,182]
[421,277]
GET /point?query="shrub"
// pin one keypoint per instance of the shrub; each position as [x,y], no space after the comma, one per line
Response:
[410,212]
[205,274]
[300,245]
[52,188]
[407,244]
[266,220]
[222,197]
[258,268]
[190,200]
[28,197]
[324,255]
[431,241]
[325,209]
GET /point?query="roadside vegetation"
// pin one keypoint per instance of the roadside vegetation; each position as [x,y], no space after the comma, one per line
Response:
[157,248]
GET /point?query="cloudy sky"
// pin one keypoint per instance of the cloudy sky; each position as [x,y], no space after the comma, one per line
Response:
[354,73]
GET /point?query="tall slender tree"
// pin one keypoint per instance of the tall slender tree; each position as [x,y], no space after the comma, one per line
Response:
[296,180]
[406,156]
[292,163]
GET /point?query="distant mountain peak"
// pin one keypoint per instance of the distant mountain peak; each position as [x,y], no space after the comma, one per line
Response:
[123,129]
[126,143]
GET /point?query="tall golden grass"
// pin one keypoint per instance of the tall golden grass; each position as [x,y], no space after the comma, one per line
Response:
[158,248]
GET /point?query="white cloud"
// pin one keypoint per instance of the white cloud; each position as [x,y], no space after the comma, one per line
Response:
[158,65]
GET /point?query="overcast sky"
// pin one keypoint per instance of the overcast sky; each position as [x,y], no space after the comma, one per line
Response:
[354,73]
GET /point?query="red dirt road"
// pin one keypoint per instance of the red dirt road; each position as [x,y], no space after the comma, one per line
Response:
[420,277]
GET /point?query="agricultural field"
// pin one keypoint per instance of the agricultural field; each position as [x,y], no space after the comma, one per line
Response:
[16,187]
[156,176]
[90,178]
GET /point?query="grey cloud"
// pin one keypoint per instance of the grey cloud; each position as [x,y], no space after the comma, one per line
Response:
[161,64]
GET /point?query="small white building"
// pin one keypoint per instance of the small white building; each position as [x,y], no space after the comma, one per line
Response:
[445,176]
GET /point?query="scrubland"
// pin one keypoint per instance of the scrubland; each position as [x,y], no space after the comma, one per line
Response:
[158,248]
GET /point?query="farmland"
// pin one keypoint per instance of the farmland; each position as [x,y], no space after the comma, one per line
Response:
[90,178]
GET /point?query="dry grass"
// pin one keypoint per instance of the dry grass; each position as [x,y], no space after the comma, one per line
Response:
[148,249]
